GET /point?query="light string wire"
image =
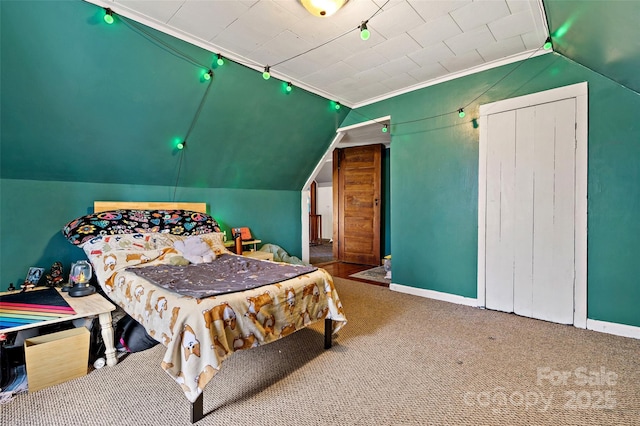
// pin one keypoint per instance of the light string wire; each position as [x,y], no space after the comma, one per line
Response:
[186,137]
[161,43]
[331,40]
[134,26]
[167,47]
[138,28]
[175,187]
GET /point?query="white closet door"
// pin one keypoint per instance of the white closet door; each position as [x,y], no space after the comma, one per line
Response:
[554,212]
[500,211]
[530,211]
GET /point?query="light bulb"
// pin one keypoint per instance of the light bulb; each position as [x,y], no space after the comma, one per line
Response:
[108,16]
[385,129]
[180,145]
[220,61]
[364,32]
[289,87]
[548,44]
[337,106]
[207,76]
[461,113]
[266,74]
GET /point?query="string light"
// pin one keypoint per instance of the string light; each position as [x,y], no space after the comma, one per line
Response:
[108,16]
[181,144]
[336,105]
[207,76]
[220,61]
[289,88]
[364,31]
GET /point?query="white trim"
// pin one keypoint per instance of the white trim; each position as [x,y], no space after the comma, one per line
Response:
[578,91]
[328,155]
[305,195]
[305,199]
[614,328]
[364,123]
[582,166]
[566,92]
[432,294]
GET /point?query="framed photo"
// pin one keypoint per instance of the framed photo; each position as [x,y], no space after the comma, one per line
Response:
[33,276]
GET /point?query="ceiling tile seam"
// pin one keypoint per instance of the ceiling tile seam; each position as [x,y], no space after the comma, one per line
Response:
[417,13]
[476,28]
[175,13]
[495,39]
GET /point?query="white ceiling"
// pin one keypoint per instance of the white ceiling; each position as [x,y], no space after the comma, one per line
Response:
[413,43]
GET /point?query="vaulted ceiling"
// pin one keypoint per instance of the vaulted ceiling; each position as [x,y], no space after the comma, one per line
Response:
[413,43]
[601,35]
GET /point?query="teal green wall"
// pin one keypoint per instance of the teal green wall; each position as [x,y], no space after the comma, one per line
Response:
[84,101]
[34,212]
[92,111]
[434,181]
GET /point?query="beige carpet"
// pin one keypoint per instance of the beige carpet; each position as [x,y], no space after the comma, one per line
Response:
[401,360]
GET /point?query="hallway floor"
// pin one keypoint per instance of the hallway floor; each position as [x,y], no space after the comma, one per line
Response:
[321,255]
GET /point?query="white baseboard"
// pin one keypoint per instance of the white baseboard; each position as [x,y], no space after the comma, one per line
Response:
[614,328]
[432,294]
[595,325]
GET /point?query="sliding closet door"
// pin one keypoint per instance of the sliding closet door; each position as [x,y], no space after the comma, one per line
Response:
[530,211]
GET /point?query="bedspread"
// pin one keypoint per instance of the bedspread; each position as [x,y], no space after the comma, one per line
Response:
[199,334]
[228,273]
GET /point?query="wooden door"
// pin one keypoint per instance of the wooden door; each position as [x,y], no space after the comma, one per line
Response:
[357,177]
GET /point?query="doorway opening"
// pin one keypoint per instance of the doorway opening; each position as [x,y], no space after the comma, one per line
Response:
[319,222]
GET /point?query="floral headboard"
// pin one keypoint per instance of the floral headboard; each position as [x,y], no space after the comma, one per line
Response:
[176,222]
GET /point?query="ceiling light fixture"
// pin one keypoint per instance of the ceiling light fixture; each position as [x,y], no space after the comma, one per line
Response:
[266,74]
[364,31]
[108,16]
[323,8]
[548,44]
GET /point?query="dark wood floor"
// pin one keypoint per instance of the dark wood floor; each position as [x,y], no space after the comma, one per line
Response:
[343,270]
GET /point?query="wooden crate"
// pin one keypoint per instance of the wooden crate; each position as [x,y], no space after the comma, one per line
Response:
[57,357]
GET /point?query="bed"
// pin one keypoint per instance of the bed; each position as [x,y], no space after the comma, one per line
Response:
[200,323]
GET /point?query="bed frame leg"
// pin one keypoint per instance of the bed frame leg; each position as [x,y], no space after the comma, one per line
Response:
[328,331]
[197,409]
